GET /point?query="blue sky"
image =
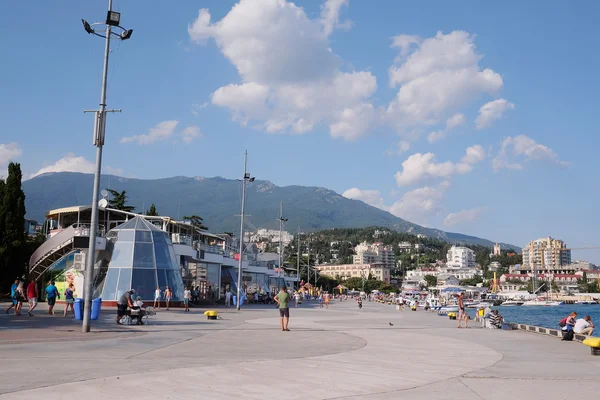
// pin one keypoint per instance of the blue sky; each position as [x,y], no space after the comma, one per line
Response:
[474,117]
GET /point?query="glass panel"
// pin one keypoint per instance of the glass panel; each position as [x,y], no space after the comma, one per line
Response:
[175,283]
[122,255]
[124,281]
[110,284]
[162,278]
[143,256]
[126,235]
[144,283]
[163,257]
[159,237]
[143,236]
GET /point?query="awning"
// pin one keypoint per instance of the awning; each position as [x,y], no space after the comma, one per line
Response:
[67,210]
[191,259]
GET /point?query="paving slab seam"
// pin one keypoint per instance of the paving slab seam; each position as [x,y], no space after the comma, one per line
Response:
[532,378]
[469,388]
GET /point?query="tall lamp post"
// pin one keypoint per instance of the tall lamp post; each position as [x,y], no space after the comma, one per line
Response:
[281,222]
[113,20]
[244,180]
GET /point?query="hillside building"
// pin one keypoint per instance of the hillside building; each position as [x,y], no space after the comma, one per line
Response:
[374,253]
[546,254]
[344,271]
[460,257]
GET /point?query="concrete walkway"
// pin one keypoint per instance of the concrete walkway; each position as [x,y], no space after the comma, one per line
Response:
[342,353]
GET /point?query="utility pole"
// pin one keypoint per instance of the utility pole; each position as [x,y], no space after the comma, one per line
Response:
[298,262]
[113,19]
[245,179]
[281,221]
[308,260]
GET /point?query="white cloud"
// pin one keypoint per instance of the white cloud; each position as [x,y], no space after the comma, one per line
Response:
[330,16]
[463,216]
[371,197]
[419,167]
[8,152]
[453,122]
[474,154]
[436,76]
[492,111]
[291,81]
[74,163]
[436,136]
[419,205]
[525,148]
[190,133]
[196,108]
[162,131]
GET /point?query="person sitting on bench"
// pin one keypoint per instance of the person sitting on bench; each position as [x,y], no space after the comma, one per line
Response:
[495,320]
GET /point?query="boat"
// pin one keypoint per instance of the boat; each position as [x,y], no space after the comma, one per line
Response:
[448,308]
[513,303]
[545,303]
[585,302]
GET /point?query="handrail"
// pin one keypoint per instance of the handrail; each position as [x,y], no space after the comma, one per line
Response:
[52,244]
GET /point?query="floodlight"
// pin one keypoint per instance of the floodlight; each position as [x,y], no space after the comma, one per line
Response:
[113,18]
[87,26]
[126,34]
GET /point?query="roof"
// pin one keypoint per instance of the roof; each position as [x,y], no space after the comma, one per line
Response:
[67,210]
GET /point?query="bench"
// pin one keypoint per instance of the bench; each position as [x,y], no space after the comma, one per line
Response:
[594,343]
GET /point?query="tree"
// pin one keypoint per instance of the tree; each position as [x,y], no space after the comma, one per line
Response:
[430,280]
[472,281]
[119,201]
[12,223]
[196,221]
[152,211]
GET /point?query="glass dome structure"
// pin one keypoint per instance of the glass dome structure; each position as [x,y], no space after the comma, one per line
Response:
[140,256]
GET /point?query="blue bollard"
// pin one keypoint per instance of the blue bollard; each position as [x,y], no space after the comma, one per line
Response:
[96,306]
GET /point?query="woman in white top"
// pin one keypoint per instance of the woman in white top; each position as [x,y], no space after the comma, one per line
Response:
[187,294]
[157,298]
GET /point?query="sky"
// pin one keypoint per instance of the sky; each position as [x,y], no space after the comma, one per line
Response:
[472,117]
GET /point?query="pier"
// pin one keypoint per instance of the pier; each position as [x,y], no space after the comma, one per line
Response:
[337,353]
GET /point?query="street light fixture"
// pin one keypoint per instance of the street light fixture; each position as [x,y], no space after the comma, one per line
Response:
[247,178]
[112,21]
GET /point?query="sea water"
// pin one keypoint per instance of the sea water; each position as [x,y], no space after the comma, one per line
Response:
[546,316]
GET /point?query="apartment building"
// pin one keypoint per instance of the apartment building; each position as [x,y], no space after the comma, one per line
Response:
[460,257]
[375,253]
[344,271]
[546,254]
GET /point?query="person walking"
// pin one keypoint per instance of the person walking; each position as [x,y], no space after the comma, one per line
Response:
[297,298]
[31,297]
[69,299]
[282,299]
[19,297]
[157,293]
[13,288]
[227,298]
[168,296]
[327,297]
[51,296]
[461,311]
[186,298]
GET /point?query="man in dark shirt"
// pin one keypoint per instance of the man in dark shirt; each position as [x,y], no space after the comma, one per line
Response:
[123,303]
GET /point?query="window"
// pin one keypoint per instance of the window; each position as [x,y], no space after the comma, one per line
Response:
[143,236]
[144,282]
[163,256]
[122,255]
[110,284]
[124,281]
[143,256]
[126,235]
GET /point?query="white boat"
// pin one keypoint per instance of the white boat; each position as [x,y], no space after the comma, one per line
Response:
[513,303]
[545,303]
[585,302]
[447,309]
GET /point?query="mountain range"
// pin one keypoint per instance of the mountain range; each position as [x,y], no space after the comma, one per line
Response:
[218,201]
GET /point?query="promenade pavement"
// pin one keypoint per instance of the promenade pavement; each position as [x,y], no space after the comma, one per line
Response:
[339,353]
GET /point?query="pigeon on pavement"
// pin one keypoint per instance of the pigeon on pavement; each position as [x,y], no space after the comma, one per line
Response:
[390,324]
